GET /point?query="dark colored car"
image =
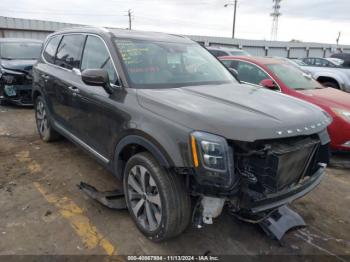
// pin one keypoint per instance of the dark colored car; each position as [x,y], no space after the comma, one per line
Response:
[218,51]
[17,57]
[283,77]
[321,62]
[163,114]
[343,56]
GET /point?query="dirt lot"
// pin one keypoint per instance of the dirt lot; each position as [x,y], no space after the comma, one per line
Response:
[43,211]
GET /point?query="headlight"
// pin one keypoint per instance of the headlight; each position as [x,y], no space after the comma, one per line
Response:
[343,113]
[213,159]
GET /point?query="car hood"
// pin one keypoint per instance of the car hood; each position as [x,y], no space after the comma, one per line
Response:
[235,111]
[327,97]
[18,65]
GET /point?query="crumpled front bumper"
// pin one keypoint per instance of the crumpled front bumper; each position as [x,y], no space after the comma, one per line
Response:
[22,96]
[276,200]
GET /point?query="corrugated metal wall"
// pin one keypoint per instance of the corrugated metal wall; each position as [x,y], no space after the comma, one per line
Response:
[297,52]
[36,29]
[277,51]
[24,34]
[255,51]
[316,52]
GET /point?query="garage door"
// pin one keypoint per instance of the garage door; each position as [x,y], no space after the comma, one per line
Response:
[316,52]
[297,53]
[255,51]
[277,51]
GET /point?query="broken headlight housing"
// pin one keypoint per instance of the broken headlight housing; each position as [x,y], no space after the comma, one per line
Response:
[212,159]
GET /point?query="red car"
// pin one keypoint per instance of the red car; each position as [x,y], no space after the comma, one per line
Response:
[282,76]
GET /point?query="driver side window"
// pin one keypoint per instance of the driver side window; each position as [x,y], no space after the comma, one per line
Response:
[250,73]
[96,56]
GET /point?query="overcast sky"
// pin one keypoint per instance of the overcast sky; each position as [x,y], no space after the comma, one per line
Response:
[305,20]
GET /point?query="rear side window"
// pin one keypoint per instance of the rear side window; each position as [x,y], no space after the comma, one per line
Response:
[50,50]
[96,56]
[250,73]
[69,51]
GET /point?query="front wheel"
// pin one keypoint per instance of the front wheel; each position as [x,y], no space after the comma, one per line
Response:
[156,198]
[46,132]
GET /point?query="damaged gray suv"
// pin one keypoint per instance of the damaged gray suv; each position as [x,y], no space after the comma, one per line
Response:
[166,117]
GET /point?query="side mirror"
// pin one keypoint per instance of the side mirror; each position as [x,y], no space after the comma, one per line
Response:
[234,72]
[268,83]
[97,77]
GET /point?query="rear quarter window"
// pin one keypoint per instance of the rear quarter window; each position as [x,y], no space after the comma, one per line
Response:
[51,48]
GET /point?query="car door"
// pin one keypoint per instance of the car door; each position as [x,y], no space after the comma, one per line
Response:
[63,88]
[98,118]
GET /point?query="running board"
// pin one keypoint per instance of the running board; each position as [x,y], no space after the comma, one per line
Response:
[113,199]
[281,221]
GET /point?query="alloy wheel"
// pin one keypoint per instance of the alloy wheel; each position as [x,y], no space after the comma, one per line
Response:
[144,198]
[41,118]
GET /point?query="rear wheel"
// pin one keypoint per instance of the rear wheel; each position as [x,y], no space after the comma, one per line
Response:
[46,132]
[156,199]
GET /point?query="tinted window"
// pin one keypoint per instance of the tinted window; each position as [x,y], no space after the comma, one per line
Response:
[96,56]
[50,50]
[152,64]
[69,51]
[250,73]
[20,51]
[221,53]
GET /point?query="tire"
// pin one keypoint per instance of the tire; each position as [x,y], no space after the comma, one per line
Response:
[43,123]
[163,209]
[331,84]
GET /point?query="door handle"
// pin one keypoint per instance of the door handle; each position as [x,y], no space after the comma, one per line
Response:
[74,90]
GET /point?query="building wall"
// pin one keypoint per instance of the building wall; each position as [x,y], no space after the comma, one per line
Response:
[273,48]
[37,29]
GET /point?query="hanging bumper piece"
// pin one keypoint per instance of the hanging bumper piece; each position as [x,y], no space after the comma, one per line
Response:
[278,223]
[113,199]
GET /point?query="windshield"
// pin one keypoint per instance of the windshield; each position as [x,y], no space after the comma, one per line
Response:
[293,77]
[25,51]
[151,64]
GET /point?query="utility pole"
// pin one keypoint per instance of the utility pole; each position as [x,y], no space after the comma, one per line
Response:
[234,16]
[338,38]
[129,15]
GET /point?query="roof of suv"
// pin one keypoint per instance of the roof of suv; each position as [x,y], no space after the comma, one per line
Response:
[133,34]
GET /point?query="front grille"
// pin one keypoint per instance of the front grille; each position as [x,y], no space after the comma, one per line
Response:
[270,166]
[16,79]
